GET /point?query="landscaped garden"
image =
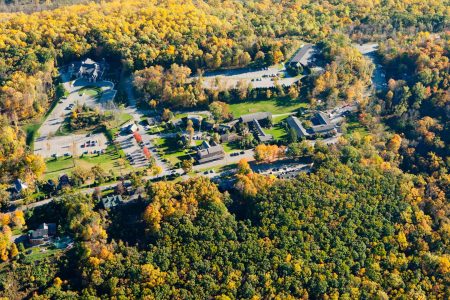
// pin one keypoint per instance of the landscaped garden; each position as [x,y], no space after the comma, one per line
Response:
[92,91]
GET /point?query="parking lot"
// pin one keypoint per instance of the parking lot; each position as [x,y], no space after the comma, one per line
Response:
[282,169]
[48,144]
[258,78]
[75,144]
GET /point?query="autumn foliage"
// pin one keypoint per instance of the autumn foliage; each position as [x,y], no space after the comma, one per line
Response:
[269,153]
[137,137]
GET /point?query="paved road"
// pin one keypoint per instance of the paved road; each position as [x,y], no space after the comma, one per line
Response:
[379,76]
[46,145]
[147,139]
[228,160]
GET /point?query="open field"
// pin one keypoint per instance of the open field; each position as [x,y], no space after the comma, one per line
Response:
[65,165]
[275,106]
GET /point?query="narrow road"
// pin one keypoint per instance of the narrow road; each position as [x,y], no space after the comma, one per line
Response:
[369,50]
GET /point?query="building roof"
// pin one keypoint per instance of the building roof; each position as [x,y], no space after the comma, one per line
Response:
[255,116]
[323,128]
[295,124]
[205,145]
[19,185]
[304,55]
[323,118]
[44,230]
[211,153]
[262,136]
[229,137]
[112,201]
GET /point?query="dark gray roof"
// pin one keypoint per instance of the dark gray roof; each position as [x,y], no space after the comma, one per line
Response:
[323,128]
[211,153]
[295,124]
[19,185]
[323,118]
[112,201]
[205,145]
[262,136]
[44,230]
[255,116]
[303,55]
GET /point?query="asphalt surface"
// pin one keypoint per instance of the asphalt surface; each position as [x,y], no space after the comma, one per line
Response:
[379,76]
[260,78]
[47,144]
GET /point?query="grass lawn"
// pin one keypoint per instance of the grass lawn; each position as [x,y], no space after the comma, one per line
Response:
[108,161]
[119,120]
[156,129]
[112,124]
[278,131]
[353,126]
[31,132]
[36,254]
[231,147]
[170,149]
[90,91]
[275,106]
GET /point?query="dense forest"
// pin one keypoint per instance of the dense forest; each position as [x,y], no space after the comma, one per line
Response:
[345,231]
[198,34]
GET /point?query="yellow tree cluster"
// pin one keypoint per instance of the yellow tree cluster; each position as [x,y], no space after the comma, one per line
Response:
[168,198]
[15,160]
[15,219]
[269,153]
[249,183]
[170,87]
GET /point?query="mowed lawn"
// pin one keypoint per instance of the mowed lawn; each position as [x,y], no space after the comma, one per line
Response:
[275,106]
[278,130]
[65,165]
[170,149]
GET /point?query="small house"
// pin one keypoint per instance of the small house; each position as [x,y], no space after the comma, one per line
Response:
[112,201]
[19,186]
[41,234]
